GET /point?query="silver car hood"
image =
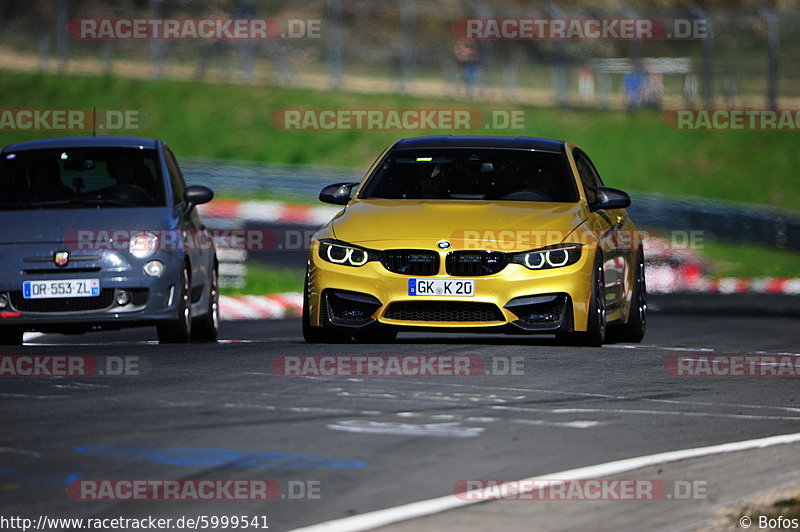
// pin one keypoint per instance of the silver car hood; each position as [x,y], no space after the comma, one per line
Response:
[61,225]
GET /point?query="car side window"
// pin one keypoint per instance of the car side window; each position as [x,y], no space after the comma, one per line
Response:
[595,174]
[175,177]
[588,174]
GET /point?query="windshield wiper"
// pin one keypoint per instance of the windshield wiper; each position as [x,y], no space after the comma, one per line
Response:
[10,205]
[72,201]
[104,201]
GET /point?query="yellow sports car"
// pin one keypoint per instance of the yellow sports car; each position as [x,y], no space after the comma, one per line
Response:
[492,234]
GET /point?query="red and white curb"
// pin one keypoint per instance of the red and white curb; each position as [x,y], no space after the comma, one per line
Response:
[669,269]
[290,305]
[663,280]
[276,212]
[271,307]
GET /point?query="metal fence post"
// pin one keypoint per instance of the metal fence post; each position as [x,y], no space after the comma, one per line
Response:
[156,45]
[62,43]
[334,41]
[246,47]
[707,82]
[106,56]
[773,42]
[560,71]
[407,56]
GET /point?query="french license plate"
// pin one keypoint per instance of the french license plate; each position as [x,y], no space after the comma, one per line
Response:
[441,287]
[61,288]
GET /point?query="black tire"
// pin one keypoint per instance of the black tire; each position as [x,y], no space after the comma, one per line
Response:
[206,328]
[327,333]
[595,334]
[376,333]
[179,331]
[635,329]
[10,336]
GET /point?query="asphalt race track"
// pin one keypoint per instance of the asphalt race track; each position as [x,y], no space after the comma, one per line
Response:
[362,444]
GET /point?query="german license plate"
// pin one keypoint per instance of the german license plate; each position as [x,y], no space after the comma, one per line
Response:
[441,287]
[61,288]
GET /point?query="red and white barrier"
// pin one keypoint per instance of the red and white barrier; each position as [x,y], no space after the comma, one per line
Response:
[268,307]
[276,212]
[667,280]
[290,305]
[669,269]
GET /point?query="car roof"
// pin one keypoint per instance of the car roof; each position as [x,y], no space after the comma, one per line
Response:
[450,141]
[84,142]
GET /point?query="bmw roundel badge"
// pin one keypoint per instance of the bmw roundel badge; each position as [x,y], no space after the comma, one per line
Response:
[444,244]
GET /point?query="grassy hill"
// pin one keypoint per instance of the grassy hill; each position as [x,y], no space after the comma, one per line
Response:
[636,151]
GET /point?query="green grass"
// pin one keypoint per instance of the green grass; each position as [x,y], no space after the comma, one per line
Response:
[260,279]
[264,195]
[736,260]
[787,508]
[635,151]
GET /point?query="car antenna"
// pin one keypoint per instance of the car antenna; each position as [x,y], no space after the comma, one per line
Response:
[94,121]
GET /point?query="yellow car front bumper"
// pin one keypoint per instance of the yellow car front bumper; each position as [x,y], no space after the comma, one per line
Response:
[371,293]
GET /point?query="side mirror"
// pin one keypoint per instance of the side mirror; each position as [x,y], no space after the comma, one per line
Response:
[337,194]
[610,198]
[197,195]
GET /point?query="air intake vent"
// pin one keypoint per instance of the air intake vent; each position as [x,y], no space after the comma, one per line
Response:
[443,311]
[475,263]
[411,261]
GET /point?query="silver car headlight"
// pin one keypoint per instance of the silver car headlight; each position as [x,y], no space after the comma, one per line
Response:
[143,245]
[556,256]
[343,253]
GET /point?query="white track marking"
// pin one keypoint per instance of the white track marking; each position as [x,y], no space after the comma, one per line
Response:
[303,409]
[28,396]
[642,412]
[494,398]
[436,430]
[607,396]
[25,452]
[577,424]
[413,510]
[659,347]
[81,386]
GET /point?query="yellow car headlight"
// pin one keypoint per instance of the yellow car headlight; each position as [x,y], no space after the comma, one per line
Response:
[346,254]
[556,256]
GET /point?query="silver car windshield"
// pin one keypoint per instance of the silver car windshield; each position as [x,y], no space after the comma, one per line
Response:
[81,178]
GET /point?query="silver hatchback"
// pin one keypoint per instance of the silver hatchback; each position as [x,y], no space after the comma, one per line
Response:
[102,233]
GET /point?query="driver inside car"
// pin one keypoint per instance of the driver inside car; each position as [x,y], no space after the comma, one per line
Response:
[127,170]
[45,180]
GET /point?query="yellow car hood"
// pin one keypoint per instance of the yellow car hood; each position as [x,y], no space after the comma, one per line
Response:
[507,225]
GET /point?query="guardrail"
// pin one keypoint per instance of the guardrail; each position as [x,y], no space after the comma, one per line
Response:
[232,266]
[726,220]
